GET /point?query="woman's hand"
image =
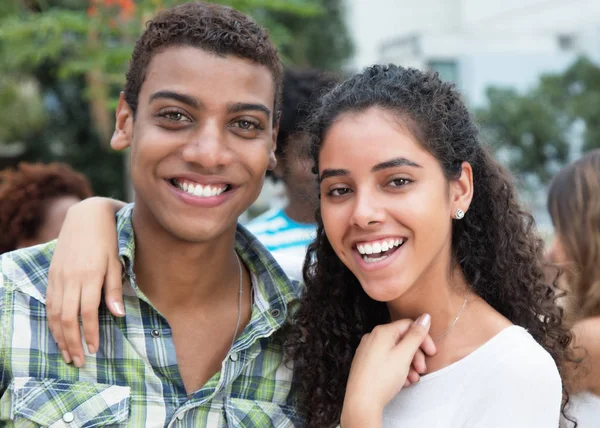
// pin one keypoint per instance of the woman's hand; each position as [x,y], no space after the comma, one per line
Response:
[86,257]
[386,360]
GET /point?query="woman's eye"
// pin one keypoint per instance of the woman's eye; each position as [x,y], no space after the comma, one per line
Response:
[341,191]
[399,182]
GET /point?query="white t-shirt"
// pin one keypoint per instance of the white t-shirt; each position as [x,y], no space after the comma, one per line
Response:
[585,408]
[509,382]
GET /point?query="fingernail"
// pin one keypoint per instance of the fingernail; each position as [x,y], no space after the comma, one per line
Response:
[66,356]
[118,307]
[77,362]
[424,320]
[91,348]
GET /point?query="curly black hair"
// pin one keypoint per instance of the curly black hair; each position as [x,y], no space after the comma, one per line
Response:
[211,27]
[24,192]
[496,245]
[300,88]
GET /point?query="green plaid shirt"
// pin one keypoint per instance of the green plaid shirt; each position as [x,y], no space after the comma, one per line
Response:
[133,380]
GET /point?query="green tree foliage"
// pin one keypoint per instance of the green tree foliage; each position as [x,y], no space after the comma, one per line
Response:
[77,51]
[534,132]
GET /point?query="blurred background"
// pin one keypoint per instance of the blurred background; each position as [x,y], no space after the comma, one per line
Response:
[529,69]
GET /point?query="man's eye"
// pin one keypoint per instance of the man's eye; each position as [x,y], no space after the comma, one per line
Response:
[175,116]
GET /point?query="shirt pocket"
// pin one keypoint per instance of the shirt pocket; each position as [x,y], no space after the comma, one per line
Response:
[58,403]
[251,414]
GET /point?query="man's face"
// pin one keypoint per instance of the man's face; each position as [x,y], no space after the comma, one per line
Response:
[200,143]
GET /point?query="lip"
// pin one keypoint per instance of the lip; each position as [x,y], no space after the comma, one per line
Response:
[201,202]
[370,267]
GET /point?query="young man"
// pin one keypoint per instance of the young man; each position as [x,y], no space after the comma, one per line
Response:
[200,344]
[286,232]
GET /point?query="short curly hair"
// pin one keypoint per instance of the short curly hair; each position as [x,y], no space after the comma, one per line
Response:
[211,27]
[24,192]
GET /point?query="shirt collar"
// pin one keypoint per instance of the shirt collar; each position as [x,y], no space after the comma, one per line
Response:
[274,289]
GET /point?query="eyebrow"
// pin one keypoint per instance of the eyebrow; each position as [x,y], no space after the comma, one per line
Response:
[238,107]
[327,173]
[392,163]
[170,95]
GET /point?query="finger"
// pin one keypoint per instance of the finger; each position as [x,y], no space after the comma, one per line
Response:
[411,341]
[388,335]
[54,300]
[418,362]
[70,323]
[113,288]
[90,301]
[428,346]
[406,383]
[413,376]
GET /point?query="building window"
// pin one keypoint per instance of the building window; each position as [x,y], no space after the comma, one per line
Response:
[448,70]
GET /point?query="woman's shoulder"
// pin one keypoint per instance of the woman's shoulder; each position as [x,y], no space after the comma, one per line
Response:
[513,355]
[515,344]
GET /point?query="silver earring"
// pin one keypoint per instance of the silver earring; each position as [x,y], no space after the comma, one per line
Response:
[459,214]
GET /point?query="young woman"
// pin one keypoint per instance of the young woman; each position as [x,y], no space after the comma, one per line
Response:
[415,217]
[574,205]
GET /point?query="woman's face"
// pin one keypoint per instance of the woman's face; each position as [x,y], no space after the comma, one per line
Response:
[386,206]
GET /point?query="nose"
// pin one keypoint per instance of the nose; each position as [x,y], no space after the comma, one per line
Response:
[208,148]
[368,210]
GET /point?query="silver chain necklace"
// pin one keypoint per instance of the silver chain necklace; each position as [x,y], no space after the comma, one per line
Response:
[240,295]
[444,334]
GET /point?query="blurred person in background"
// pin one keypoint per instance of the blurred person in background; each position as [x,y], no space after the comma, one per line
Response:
[286,232]
[34,199]
[574,205]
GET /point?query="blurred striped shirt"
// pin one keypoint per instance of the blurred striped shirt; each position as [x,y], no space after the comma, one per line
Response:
[134,380]
[286,239]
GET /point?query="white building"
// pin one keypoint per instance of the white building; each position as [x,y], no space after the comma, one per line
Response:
[476,43]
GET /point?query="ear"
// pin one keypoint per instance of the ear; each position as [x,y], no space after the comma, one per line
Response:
[272,158]
[461,190]
[121,139]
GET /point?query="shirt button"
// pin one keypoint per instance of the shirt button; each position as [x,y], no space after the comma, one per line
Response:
[275,313]
[155,333]
[68,417]
[180,416]
[234,356]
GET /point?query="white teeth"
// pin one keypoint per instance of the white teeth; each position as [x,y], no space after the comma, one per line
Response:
[378,247]
[200,190]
